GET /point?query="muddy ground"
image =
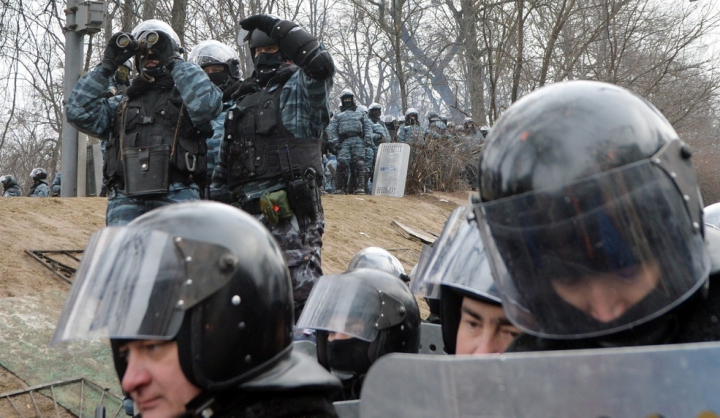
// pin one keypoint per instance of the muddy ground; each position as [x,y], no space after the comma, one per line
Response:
[352,223]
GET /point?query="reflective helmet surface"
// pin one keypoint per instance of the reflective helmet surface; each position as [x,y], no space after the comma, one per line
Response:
[212,52]
[367,304]
[38,174]
[374,106]
[411,111]
[346,92]
[216,282]
[433,115]
[154,25]
[8,180]
[593,217]
[379,259]
[711,215]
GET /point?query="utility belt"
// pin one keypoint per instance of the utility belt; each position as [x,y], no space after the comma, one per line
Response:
[300,197]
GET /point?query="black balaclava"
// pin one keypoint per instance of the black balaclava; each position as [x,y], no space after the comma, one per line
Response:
[266,65]
[219,79]
[347,102]
[349,361]
[375,115]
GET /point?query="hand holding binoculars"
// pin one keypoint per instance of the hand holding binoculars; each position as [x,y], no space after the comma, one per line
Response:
[146,41]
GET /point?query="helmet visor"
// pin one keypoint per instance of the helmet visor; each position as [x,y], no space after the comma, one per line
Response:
[459,259]
[136,283]
[596,256]
[341,303]
[208,53]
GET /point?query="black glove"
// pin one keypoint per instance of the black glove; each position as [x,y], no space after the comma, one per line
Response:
[166,51]
[264,23]
[248,86]
[114,55]
[229,88]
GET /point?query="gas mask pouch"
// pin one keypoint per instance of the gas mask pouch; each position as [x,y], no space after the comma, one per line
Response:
[147,170]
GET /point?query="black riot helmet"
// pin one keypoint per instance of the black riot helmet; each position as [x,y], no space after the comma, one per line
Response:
[379,259]
[373,307]
[259,38]
[212,52]
[459,265]
[593,216]
[204,274]
[38,174]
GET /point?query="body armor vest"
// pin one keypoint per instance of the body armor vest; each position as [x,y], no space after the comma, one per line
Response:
[155,119]
[261,147]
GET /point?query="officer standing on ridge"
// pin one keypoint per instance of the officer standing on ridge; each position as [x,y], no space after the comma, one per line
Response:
[221,64]
[593,223]
[39,187]
[156,154]
[11,188]
[270,163]
[196,300]
[350,132]
[55,186]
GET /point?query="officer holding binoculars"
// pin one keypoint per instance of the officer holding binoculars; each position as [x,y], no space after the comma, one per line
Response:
[157,128]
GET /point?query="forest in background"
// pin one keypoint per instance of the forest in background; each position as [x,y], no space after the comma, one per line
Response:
[459,57]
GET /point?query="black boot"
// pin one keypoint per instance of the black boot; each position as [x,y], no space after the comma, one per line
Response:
[341,178]
[359,177]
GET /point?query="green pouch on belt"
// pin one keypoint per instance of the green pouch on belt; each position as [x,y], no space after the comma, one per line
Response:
[275,206]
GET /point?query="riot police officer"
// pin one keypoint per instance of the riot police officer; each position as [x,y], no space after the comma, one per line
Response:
[360,316]
[156,154]
[593,223]
[270,163]
[40,186]
[221,64]
[196,300]
[11,188]
[350,131]
[412,133]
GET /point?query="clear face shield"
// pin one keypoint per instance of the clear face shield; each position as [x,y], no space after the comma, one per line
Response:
[599,255]
[344,304]
[136,283]
[458,259]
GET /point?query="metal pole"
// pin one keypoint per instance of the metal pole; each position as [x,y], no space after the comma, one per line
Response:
[73,65]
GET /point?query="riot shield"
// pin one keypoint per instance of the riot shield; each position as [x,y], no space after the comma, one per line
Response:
[667,381]
[391,167]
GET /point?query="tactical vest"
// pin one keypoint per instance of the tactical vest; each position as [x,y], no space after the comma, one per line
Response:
[155,119]
[261,147]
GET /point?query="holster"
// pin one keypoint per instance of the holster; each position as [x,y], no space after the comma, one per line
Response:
[146,170]
[304,196]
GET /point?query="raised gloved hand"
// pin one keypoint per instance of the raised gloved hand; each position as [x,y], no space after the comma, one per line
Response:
[115,55]
[246,87]
[166,51]
[263,22]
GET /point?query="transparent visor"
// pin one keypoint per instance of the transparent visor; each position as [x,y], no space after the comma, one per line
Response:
[136,283]
[711,215]
[341,303]
[215,53]
[596,256]
[458,259]
[419,286]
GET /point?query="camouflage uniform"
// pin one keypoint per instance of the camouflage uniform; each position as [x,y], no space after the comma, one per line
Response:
[39,188]
[412,134]
[11,189]
[90,112]
[303,109]
[379,136]
[352,131]
[55,186]
[213,143]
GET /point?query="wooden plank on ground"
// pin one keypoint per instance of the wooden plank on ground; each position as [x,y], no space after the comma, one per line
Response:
[411,233]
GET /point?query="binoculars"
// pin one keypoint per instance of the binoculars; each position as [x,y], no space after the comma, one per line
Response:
[145,41]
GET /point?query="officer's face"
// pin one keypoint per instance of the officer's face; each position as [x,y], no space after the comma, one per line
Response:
[269,49]
[606,296]
[214,68]
[154,378]
[483,329]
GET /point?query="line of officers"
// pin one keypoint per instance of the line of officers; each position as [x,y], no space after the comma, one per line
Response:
[39,187]
[587,233]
